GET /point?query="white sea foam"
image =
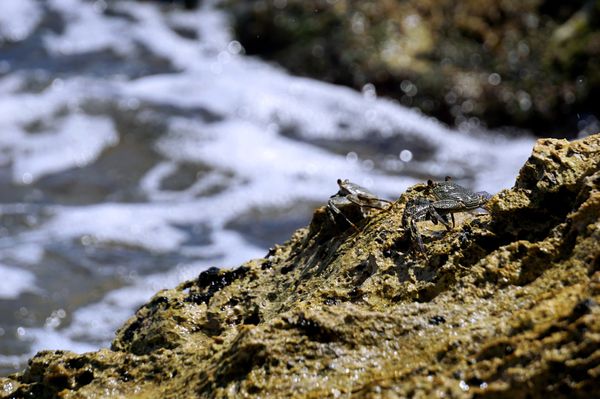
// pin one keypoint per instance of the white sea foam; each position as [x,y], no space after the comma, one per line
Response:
[26,253]
[269,100]
[63,142]
[14,281]
[20,109]
[11,83]
[75,141]
[86,31]
[145,226]
[18,18]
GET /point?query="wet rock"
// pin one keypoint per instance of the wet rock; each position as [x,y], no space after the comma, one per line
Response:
[505,306]
[530,64]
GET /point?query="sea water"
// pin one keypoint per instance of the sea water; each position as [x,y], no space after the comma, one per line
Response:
[140,146]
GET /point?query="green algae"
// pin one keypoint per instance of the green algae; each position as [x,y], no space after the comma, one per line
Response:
[505,305]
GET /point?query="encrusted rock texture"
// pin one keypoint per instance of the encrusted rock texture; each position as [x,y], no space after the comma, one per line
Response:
[506,305]
[528,63]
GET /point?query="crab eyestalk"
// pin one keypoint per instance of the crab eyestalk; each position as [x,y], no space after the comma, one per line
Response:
[352,198]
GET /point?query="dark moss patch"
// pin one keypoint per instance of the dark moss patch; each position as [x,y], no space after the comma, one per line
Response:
[211,281]
[313,330]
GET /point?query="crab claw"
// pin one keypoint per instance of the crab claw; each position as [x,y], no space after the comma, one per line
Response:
[484,195]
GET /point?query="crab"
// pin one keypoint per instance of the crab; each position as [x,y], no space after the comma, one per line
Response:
[350,198]
[447,198]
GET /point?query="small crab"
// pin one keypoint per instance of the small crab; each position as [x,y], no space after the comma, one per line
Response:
[447,199]
[349,197]
[417,210]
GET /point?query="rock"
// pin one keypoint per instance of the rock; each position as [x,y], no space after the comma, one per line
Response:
[529,64]
[504,306]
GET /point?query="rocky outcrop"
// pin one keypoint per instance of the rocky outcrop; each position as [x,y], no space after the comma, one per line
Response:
[521,63]
[504,306]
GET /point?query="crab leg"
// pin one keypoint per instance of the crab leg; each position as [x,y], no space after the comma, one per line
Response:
[414,231]
[331,209]
[444,207]
[357,201]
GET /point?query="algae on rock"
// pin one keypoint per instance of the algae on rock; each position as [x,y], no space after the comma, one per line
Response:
[504,306]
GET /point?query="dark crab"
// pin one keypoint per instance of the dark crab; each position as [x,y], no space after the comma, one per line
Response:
[351,197]
[446,199]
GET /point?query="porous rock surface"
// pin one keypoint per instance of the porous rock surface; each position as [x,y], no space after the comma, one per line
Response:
[504,306]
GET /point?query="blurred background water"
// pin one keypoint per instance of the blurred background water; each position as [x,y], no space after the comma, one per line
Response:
[140,146]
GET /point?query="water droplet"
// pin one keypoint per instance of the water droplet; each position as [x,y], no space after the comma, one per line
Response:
[26,178]
[494,79]
[409,88]
[224,57]
[317,51]
[8,387]
[406,155]
[234,47]
[524,100]
[467,106]
[369,91]
[86,240]
[463,386]
[450,97]
[532,21]
[52,321]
